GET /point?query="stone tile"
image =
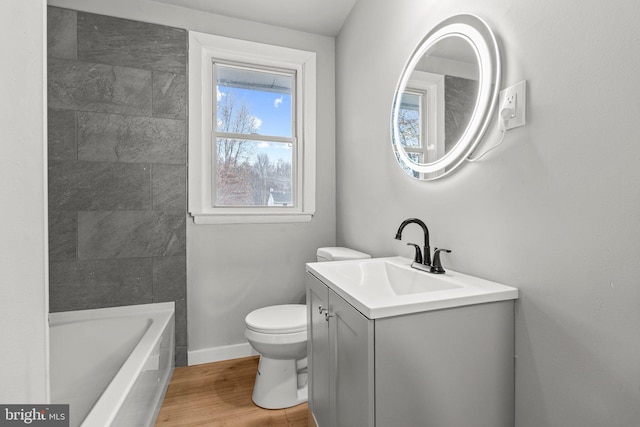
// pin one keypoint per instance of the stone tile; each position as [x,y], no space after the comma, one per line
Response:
[61,135]
[122,138]
[181,323]
[97,87]
[103,283]
[169,187]
[169,278]
[181,356]
[62,236]
[459,99]
[75,186]
[117,41]
[128,234]
[169,95]
[61,33]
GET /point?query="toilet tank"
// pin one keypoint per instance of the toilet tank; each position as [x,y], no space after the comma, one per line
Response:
[339,254]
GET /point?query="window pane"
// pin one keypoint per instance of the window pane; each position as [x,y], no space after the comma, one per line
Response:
[253,173]
[409,120]
[253,101]
[415,158]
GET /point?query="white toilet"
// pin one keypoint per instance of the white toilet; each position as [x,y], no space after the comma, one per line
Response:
[279,334]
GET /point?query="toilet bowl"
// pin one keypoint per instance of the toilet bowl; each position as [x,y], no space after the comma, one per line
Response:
[279,334]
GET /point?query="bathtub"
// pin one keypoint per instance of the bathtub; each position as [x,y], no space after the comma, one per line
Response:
[112,365]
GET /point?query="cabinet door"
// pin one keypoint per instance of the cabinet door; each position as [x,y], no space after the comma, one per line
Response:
[452,367]
[318,351]
[351,369]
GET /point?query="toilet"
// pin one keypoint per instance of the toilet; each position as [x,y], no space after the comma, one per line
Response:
[279,334]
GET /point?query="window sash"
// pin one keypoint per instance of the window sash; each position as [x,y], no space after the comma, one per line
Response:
[258,68]
[294,173]
[257,137]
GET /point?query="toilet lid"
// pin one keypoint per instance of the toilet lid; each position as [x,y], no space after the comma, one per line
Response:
[282,319]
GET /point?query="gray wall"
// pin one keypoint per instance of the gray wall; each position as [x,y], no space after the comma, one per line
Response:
[234,269]
[117,164]
[554,211]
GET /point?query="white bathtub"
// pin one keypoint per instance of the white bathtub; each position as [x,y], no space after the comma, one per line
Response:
[112,365]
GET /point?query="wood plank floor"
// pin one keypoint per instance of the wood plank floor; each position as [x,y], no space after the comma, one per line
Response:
[219,394]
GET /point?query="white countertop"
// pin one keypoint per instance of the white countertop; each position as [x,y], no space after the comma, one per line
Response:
[385,287]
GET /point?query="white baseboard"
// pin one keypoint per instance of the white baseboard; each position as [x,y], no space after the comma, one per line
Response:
[217,354]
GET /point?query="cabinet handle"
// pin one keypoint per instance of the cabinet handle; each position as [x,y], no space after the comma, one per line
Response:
[327,315]
[320,309]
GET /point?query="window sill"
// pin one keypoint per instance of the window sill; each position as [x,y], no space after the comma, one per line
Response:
[211,219]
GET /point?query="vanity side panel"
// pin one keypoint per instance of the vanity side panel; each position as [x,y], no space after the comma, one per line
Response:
[452,367]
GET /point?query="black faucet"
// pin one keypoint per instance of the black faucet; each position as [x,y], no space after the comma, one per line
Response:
[426,258]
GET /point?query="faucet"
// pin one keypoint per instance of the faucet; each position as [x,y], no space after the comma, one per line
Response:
[426,259]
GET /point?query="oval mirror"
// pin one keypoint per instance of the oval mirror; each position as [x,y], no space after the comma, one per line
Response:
[445,97]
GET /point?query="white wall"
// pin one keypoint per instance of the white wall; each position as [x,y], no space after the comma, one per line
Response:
[23,210]
[555,211]
[233,269]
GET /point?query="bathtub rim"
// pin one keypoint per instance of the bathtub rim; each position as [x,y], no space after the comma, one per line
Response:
[63,317]
[114,395]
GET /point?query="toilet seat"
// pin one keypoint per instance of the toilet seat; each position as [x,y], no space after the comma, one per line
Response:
[275,339]
[278,319]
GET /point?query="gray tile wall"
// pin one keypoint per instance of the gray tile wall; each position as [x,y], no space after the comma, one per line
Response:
[459,102]
[117,164]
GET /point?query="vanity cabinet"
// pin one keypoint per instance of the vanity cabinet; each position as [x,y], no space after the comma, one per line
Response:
[448,367]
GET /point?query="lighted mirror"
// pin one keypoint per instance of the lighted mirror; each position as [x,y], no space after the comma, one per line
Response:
[445,98]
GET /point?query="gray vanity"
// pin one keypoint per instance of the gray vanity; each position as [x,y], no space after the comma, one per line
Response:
[393,346]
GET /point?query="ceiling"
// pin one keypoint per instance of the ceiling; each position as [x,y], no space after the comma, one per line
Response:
[324,17]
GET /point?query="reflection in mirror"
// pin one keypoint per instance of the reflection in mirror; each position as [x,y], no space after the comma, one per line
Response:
[454,58]
[440,109]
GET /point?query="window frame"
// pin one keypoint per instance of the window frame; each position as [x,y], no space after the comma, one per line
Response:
[203,50]
[423,121]
[432,126]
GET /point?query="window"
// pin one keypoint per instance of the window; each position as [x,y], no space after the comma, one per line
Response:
[251,132]
[421,119]
[254,144]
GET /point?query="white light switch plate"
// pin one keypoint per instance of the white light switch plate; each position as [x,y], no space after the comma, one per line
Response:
[514,97]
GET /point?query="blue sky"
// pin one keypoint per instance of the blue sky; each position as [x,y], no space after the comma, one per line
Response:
[273,110]
[273,113]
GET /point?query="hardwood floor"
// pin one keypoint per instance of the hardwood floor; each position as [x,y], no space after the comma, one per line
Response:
[219,394]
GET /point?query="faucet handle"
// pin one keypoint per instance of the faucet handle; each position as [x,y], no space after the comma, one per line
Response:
[436,268]
[418,256]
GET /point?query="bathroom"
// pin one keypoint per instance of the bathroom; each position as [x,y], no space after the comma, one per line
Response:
[547,212]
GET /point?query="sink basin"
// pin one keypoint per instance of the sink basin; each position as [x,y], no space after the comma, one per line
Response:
[383,274]
[383,287]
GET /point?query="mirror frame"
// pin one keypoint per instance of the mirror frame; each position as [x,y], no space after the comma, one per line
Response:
[483,42]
